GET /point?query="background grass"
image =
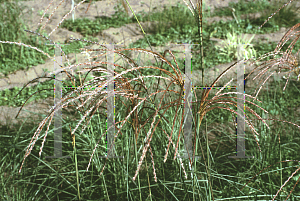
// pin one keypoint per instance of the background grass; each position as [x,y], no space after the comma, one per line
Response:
[55,179]
[182,30]
[14,57]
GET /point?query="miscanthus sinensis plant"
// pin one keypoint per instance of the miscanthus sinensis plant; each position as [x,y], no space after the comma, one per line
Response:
[142,97]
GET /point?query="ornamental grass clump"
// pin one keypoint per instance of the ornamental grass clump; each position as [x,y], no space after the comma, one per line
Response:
[125,88]
[149,108]
[229,47]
